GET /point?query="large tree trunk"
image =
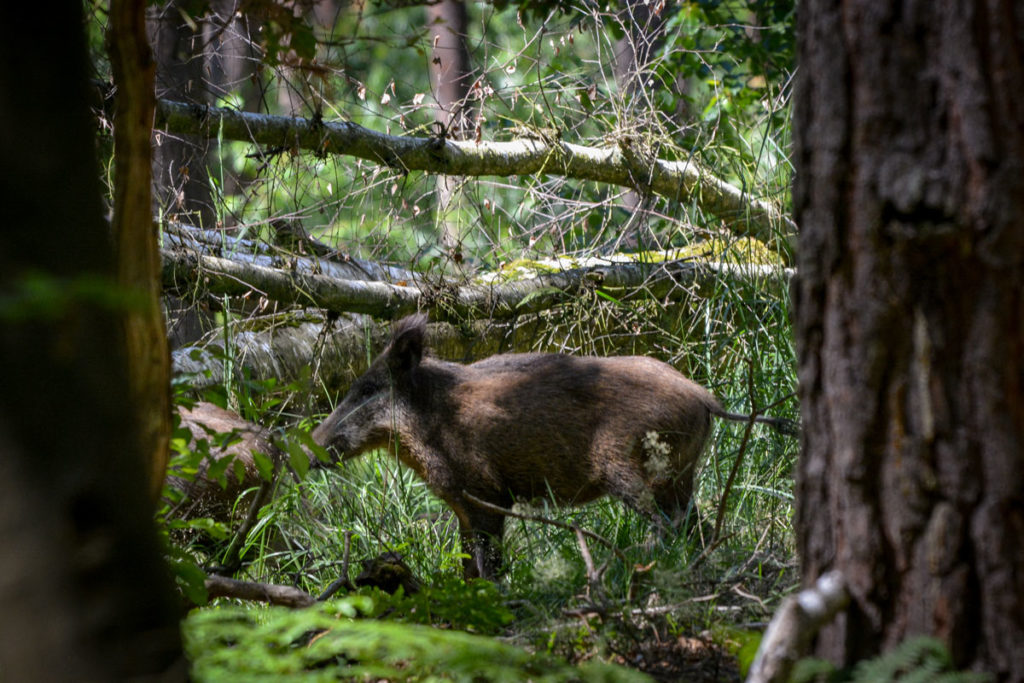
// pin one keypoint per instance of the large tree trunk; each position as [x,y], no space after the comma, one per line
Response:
[910,322]
[84,594]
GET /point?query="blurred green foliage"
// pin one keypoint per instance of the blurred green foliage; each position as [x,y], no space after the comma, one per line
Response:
[338,640]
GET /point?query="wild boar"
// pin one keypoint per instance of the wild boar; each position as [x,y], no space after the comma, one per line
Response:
[521,426]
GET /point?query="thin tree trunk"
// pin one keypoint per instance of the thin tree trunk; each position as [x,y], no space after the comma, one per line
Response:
[910,323]
[179,164]
[450,70]
[450,75]
[642,30]
[230,59]
[138,257]
[84,594]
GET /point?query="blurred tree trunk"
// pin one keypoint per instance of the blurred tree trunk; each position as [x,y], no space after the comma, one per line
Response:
[217,59]
[180,164]
[910,322]
[84,593]
[643,30]
[450,76]
[138,258]
[230,62]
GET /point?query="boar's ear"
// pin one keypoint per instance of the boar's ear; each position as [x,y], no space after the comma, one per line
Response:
[406,347]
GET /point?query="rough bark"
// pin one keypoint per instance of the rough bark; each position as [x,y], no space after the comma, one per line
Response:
[83,591]
[138,260]
[681,181]
[909,192]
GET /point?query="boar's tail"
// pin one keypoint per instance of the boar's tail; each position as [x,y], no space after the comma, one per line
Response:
[782,424]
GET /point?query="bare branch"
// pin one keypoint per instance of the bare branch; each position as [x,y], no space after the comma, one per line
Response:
[289,596]
[221,243]
[594,586]
[342,581]
[794,625]
[680,181]
[671,279]
[233,555]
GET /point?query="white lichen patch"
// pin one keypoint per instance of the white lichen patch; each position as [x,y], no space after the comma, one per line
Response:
[657,463]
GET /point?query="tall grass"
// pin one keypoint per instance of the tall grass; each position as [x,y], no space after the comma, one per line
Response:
[734,342]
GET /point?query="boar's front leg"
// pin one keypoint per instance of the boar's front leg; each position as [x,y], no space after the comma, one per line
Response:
[480,532]
[481,540]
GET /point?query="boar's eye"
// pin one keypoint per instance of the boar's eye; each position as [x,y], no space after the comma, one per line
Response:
[363,390]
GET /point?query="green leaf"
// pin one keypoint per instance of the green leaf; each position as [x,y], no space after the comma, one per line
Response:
[239,469]
[214,529]
[306,439]
[608,297]
[297,457]
[218,468]
[275,644]
[189,577]
[264,465]
[585,101]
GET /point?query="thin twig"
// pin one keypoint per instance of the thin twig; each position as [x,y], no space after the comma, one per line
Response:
[602,610]
[720,517]
[342,581]
[595,587]
[544,520]
[708,549]
[233,555]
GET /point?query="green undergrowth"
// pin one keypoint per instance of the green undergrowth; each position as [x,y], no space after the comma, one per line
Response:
[918,659]
[647,590]
[339,640]
[688,607]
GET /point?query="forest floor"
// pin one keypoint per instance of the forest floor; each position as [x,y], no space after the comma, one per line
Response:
[701,638]
[683,659]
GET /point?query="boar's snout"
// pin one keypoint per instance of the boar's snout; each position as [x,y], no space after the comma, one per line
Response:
[327,434]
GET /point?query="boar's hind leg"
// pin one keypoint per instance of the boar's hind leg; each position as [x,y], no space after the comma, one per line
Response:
[481,540]
[665,501]
[675,501]
[632,490]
